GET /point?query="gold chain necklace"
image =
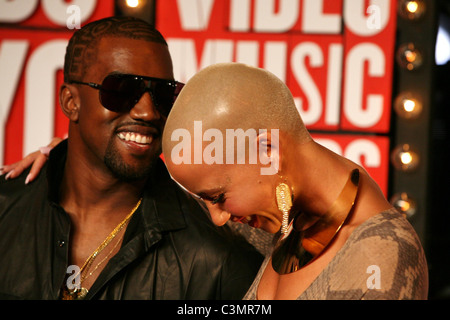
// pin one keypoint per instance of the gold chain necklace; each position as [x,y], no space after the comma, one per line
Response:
[80,293]
[88,274]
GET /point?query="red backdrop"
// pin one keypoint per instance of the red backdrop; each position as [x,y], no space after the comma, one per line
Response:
[336,56]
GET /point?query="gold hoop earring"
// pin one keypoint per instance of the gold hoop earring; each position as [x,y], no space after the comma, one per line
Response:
[284,202]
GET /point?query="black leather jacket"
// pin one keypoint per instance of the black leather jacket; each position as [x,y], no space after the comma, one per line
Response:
[171,250]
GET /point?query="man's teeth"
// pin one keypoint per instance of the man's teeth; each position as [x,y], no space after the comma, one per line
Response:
[135,137]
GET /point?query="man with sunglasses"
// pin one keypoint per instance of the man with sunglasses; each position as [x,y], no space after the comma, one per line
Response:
[105,221]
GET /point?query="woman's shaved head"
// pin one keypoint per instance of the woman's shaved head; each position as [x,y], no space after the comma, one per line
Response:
[231,96]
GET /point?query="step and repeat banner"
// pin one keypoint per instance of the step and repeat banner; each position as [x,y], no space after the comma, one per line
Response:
[336,56]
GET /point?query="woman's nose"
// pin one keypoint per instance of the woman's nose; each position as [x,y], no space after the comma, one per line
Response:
[218,216]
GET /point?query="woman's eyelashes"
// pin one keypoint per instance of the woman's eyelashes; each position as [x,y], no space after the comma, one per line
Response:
[218,199]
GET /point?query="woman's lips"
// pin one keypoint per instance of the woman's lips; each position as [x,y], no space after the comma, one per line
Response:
[254,222]
[251,220]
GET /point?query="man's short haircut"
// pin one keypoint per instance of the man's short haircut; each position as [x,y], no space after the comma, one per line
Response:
[81,50]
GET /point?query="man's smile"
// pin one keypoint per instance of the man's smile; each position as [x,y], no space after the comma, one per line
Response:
[135,137]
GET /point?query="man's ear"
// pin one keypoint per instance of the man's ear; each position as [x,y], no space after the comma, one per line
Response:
[69,101]
[269,149]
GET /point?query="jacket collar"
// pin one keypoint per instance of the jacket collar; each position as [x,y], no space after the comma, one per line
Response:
[162,209]
[161,205]
[55,170]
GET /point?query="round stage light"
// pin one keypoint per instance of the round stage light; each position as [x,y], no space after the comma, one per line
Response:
[412,9]
[132,3]
[409,57]
[404,204]
[405,159]
[407,106]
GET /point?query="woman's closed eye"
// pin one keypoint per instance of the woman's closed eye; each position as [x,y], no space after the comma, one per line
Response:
[218,199]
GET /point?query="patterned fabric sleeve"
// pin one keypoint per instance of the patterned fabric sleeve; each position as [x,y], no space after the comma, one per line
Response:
[260,239]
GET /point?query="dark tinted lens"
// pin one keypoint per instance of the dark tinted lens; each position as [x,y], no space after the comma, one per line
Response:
[163,95]
[119,93]
[177,90]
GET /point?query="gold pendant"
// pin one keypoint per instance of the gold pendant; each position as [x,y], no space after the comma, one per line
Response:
[76,294]
[82,293]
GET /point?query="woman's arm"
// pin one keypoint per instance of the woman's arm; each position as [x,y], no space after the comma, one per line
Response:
[36,160]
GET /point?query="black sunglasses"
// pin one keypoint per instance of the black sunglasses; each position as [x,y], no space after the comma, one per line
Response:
[120,92]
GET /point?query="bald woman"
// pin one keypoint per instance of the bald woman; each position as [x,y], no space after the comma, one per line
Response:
[339,237]
[235,139]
